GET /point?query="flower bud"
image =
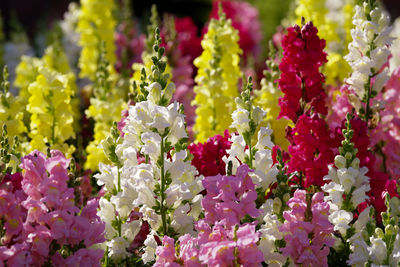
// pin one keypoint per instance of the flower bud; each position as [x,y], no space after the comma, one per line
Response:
[340,161]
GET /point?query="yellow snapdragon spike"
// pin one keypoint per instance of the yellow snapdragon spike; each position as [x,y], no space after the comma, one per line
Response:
[267,98]
[104,112]
[96,24]
[51,112]
[11,110]
[26,73]
[217,79]
[336,69]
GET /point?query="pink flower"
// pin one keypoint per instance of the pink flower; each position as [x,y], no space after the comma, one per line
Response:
[85,257]
[219,254]
[307,239]
[166,252]
[229,198]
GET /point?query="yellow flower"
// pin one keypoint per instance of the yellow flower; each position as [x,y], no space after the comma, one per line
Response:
[217,78]
[104,112]
[96,24]
[51,112]
[267,98]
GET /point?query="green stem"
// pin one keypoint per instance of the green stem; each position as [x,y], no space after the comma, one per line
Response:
[163,214]
[367,110]
[106,263]
[119,180]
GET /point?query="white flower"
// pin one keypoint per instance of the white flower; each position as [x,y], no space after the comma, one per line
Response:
[380,80]
[129,230]
[145,196]
[151,217]
[107,176]
[347,178]
[151,144]
[150,249]
[258,115]
[182,222]
[106,213]
[154,90]
[160,118]
[359,254]
[377,250]
[176,193]
[394,259]
[359,195]
[341,219]
[241,120]
[169,91]
[264,138]
[143,174]
[335,192]
[117,248]
[395,206]
[362,219]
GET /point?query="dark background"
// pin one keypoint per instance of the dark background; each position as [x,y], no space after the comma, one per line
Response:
[35,15]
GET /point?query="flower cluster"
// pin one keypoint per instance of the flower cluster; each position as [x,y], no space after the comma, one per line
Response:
[42,223]
[217,78]
[317,11]
[304,219]
[207,157]
[245,19]
[368,52]
[52,116]
[163,188]
[221,239]
[96,25]
[301,81]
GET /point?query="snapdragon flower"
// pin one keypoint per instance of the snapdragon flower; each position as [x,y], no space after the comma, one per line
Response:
[368,52]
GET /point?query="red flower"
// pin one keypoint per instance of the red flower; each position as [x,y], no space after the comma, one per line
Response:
[300,81]
[208,156]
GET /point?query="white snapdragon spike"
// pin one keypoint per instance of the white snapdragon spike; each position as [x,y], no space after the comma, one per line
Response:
[369,49]
[118,248]
[241,120]
[394,61]
[150,248]
[360,254]
[264,170]
[108,176]
[394,259]
[377,250]
[269,234]
[341,220]
[345,181]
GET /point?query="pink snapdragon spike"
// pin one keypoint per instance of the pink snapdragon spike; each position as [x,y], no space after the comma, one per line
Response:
[229,198]
[221,239]
[299,228]
[43,216]
[300,76]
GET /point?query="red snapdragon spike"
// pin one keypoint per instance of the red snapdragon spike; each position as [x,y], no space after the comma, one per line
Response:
[301,81]
[311,149]
[208,156]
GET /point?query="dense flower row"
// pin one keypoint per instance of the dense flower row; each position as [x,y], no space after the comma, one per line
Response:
[161,160]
